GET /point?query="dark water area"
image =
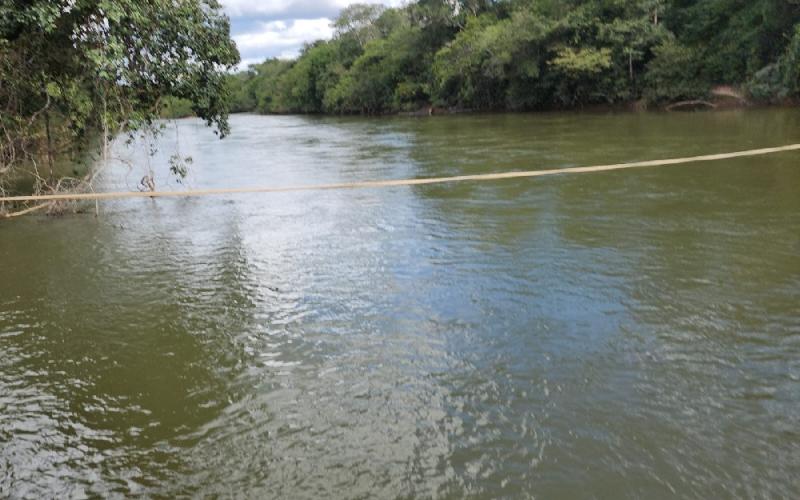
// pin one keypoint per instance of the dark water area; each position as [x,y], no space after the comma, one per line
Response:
[628,334]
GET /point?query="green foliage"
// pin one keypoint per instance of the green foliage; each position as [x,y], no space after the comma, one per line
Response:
[383,78]
[358,22]
[674,73]
[257,88]
[72,68]
[576,74]
[781,79]
[304,85]
[174,107]
[535,54]
[790,65]
[578,63]
[472,70]
[735,38]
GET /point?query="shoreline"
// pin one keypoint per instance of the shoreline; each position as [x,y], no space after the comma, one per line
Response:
[710,105]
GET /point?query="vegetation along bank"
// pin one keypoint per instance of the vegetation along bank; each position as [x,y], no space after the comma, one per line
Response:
[75,71]
[533,55]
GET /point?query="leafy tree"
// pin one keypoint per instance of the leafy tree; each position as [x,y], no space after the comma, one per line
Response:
[382,78]
[790,64]
[71,67]
[674,74]
[305,83]
[536,54]
[472,69]
[577,71]
[734,38]
[358,22]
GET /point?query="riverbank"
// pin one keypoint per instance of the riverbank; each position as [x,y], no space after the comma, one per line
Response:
[710,104]
[720,98]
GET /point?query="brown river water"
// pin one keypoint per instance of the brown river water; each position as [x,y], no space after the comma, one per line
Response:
[627,334]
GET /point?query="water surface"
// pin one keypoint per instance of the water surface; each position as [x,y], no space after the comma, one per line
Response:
[628,334]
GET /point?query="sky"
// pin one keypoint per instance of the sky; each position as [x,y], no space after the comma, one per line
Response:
[278,28]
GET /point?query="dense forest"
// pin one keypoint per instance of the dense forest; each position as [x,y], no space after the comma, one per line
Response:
[533,54]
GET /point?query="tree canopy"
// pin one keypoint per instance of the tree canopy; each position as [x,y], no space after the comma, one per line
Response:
[72,68]
[533,54]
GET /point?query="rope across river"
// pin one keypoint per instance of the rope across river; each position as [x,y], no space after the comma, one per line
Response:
[397,182]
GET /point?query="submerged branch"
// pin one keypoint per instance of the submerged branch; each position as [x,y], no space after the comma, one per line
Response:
[25,211]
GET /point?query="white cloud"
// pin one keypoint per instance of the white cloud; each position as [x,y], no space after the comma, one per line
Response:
[279,28]
[282,38]
[288,9]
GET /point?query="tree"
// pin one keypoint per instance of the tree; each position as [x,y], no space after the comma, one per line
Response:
[70,68]
[538,54]
[382,78]
[358,21]
[674,73]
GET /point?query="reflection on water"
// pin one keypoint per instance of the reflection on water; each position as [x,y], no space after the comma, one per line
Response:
[624,334]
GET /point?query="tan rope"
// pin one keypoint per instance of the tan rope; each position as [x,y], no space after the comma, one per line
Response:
[399,182]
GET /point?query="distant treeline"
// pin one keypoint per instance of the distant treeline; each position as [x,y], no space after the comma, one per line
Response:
[533,54]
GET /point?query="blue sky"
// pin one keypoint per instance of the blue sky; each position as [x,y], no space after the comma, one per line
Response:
[278,28]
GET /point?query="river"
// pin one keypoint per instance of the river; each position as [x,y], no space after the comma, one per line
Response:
[627,334]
